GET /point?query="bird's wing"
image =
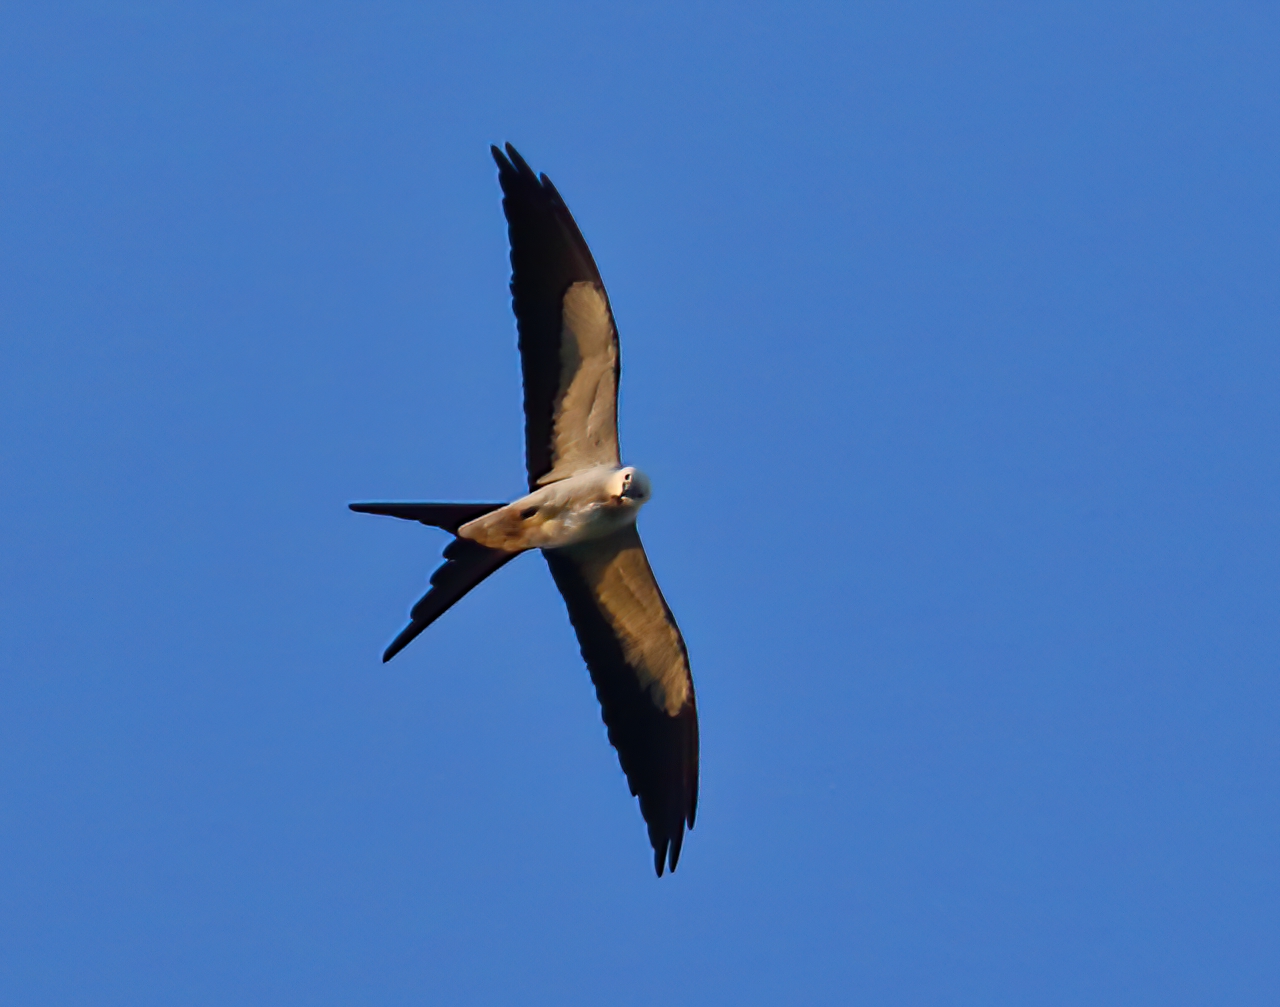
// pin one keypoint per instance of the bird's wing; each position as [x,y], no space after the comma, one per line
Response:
[640,669]
[568,342]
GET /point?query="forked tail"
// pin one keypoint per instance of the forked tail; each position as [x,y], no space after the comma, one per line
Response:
[466,563]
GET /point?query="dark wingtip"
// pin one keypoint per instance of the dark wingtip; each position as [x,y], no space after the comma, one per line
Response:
[521,164]
[659,856]
[676,843]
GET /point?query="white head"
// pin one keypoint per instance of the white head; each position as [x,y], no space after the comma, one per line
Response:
[630,485]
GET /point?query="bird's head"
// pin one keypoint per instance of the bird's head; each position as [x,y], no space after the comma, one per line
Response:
[630,486]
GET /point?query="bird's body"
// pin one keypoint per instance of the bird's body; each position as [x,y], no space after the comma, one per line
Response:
[587,505]
[580,511]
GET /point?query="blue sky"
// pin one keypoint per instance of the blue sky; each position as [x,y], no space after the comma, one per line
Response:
[949,342]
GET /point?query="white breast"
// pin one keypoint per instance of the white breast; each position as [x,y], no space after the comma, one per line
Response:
[564,513]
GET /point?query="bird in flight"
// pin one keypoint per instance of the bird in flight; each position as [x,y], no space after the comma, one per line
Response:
[580,511]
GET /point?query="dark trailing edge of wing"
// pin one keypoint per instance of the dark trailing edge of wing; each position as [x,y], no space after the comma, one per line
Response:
[466,563]
[449,516]
[658,752]
[548,255]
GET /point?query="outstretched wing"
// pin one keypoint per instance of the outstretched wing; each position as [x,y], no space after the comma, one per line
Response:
[568,342]
[640,669]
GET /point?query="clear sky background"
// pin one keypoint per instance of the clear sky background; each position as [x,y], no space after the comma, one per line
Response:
[950,343]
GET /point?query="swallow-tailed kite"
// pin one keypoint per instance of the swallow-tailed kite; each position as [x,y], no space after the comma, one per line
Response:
[580,511]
